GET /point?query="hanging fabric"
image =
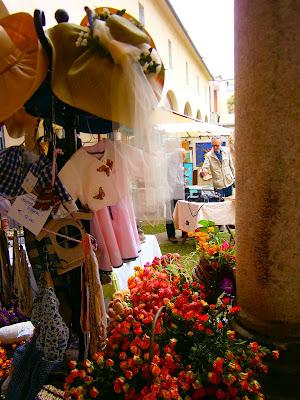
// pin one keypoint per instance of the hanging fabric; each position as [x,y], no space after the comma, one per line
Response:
[115,230]
[15,165]
[84,177]
[134,78]
[22,284]
[34,361]
[30,372]
[36,251]
[53,334]
[5,270]
[93,312]
[44,353]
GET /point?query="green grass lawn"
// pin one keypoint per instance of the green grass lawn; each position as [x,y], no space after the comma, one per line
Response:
[187,250]
[153,229]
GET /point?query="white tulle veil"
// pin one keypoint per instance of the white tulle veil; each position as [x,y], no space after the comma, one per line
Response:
[134,93]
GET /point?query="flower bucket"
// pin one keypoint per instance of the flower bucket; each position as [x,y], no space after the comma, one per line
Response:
[215,279]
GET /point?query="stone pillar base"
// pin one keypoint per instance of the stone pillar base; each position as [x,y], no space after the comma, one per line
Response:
[279,329]
[282,382]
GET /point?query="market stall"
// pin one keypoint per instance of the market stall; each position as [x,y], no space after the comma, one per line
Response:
[69,238]
[70,211]
[195,136]
[188,214]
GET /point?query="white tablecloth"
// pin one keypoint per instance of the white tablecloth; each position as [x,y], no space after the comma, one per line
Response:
[149,250]
[187,214]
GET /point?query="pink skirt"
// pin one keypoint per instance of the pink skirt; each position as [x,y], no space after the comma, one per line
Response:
[115,231]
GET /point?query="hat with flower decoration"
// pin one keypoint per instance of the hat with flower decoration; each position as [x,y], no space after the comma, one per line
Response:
[90,63]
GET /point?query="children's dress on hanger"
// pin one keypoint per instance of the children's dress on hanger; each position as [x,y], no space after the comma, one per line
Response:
[103,184]
[102,181]
[114,228]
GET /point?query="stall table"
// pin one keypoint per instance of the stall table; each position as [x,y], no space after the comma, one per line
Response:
[187,214]
[149,250]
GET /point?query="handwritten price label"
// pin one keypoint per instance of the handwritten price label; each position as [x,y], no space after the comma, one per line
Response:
[23,212]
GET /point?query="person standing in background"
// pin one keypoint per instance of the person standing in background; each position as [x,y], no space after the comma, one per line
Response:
[218,165]
[176,185]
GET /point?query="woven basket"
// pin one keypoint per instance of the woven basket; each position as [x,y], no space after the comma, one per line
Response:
[50,392]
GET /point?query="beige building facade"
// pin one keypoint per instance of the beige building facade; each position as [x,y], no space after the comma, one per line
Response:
[223,105]
[187,79]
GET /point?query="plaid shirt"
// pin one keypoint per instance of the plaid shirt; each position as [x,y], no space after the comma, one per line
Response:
[13,170]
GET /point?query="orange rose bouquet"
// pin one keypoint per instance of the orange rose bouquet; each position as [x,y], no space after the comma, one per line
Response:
[166,342]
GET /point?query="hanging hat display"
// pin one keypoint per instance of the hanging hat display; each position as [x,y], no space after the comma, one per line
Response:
[40,105]
[21,124]
[88,73]
[3,10]
[23,62]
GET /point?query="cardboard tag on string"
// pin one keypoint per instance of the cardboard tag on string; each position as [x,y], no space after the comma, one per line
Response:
[23,212]
[29,182]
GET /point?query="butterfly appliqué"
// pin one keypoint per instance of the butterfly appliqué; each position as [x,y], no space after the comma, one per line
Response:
[100,195]
[107,167]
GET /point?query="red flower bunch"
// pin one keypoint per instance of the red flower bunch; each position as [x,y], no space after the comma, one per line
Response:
[167,342]
[6,354]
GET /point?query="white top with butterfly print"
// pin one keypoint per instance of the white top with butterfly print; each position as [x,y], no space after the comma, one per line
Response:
[102,182]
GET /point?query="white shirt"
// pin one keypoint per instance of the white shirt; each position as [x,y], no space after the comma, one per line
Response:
[94,183]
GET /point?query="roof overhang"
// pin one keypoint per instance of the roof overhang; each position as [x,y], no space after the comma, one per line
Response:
[172,122]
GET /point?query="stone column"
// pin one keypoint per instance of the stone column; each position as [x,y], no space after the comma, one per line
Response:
[267,106]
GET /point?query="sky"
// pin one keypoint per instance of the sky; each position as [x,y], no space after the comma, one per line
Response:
[209,24]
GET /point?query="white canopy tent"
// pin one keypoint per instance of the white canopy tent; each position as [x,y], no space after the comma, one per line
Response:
[175,124]
[194,127]
[195,133]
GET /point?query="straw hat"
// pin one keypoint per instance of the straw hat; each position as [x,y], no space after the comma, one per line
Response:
[23,62]
[3,10]
[21,124]
[40,105]
[83,76]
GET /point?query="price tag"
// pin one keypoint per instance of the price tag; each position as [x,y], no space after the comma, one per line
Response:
[23,212]
[29,182]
